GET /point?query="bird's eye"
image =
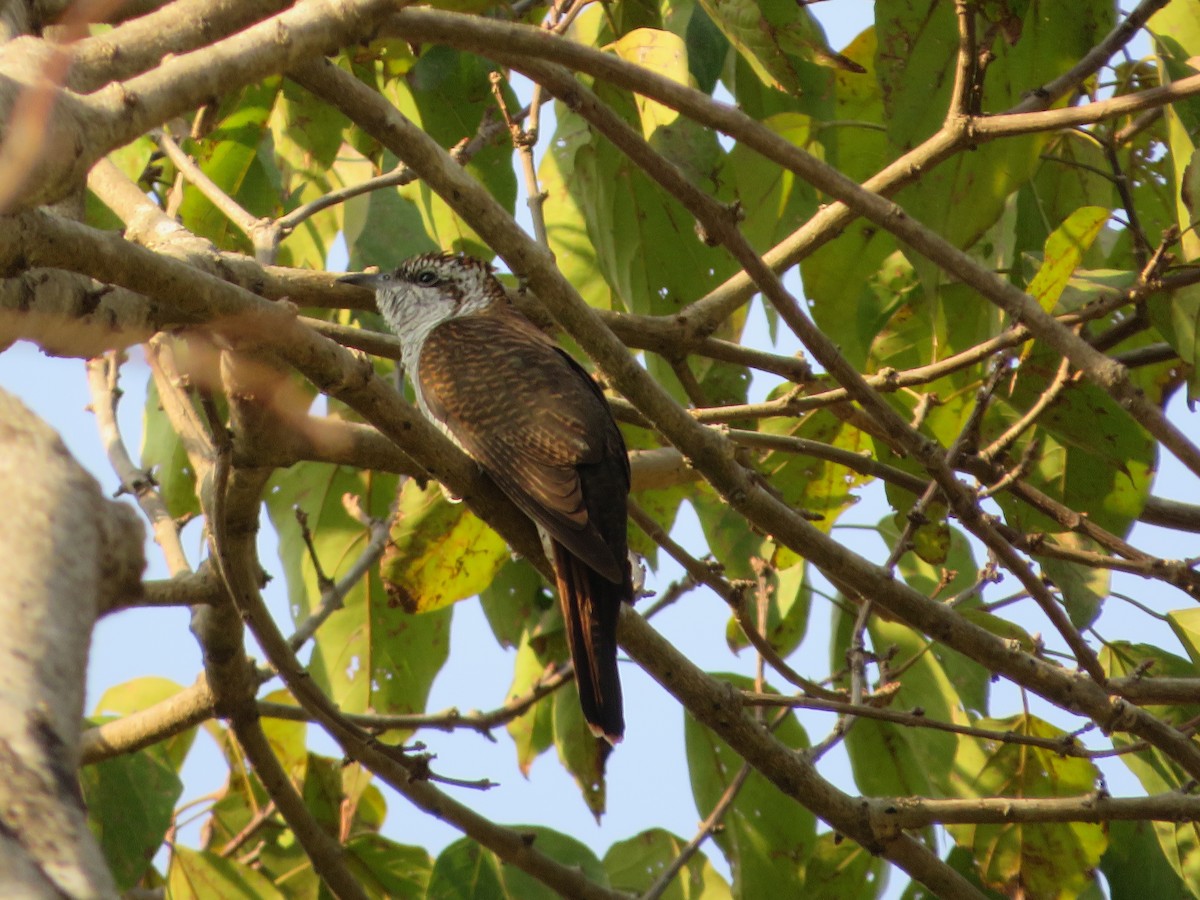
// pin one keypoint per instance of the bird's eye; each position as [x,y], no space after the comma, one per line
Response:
[427,277]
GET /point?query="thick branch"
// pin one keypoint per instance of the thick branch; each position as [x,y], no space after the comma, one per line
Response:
[914,812]
[68,553]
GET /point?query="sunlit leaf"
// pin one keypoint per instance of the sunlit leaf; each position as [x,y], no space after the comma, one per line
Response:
[200,875]
[663,53]
[1047,859]
[635,864]
[1064,252]
[1176,30]
[229,156]
[371,653]
[438,552]
[142,693]
[539,649]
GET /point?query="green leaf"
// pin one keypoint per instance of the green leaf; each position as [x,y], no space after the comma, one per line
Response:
[381,227]
[603,212]
[438,552]
[855,282]
[1134,866]
[240,818]
[229,156]
[307,135]
[567,212]
[789,598]
[389,870]
[1093,458]
[962,197]
[1084,588]
[287,737]
[822,489]
[467,871]
[514,600]
[133,159]
[1064,253]
[162,453]
[131,803]
[707,48]
[1179,843]
[142,693]
[768,836]
[956,575]
[664,54]
[851,134]
[1177,317]
[200,875]
[730,537]
[779,39]
[447,93]
[580,753]
[1045,859]
[889,759]
[371,654]
[533,731]
[1186,625]
[1072,176]
[1176,31]
[662,504]
[773,200]
[842,870]
[962,861]
[633,865]
[307,132]
[563,848]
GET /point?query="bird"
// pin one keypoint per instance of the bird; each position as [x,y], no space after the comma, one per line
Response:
[538,424]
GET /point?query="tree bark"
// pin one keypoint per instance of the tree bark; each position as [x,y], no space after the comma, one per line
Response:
[66,552]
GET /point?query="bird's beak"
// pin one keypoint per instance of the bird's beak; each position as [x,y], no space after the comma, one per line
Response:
[368,280]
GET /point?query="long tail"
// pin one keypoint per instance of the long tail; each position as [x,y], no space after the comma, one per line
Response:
[591,605]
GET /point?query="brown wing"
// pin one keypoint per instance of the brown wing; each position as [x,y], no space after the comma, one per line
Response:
[538,424]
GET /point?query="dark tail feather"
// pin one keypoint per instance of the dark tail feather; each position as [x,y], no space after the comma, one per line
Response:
[591,605]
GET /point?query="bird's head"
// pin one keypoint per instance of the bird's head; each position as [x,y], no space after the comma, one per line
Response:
[428,289]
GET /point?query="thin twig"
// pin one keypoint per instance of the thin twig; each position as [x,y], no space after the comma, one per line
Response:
[707,827]
[1000,445]
[706,573]
[249,225]
[334,593]
[103,373]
